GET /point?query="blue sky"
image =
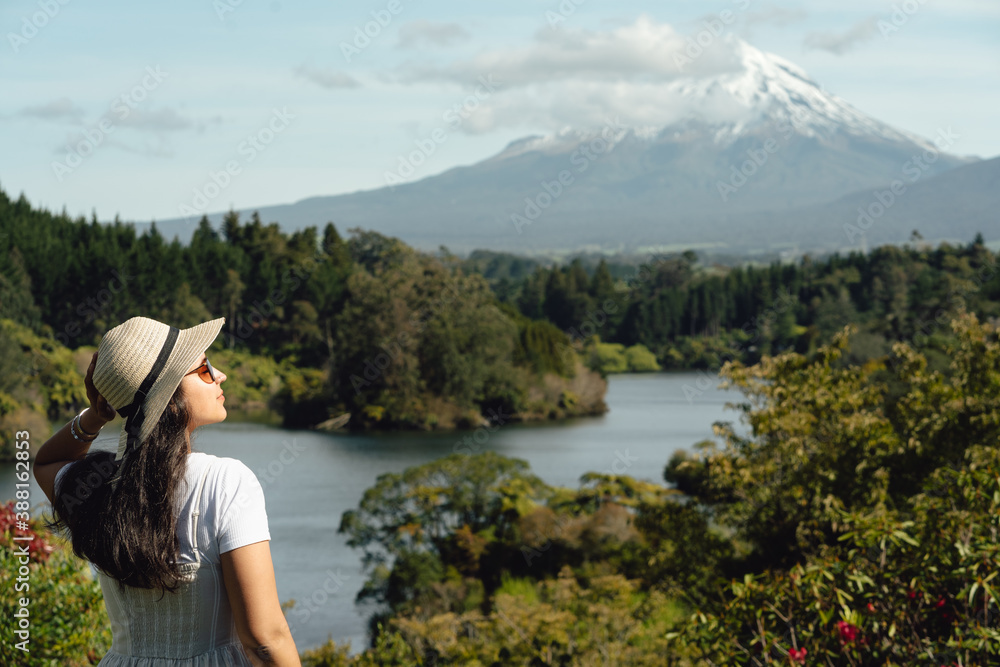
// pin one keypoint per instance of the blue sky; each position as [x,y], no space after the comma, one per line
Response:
[140,109]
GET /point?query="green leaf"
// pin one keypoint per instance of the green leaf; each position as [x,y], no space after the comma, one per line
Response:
[972,591]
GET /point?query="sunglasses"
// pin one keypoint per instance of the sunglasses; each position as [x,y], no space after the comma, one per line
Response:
[205,372]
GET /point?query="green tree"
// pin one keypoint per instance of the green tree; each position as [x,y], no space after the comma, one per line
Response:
[602,285]
[16,301]
[410,523]
[828,438]
[186,310]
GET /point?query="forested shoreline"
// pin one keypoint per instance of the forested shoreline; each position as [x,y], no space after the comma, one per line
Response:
[693,316]
[286,296]
[318,327]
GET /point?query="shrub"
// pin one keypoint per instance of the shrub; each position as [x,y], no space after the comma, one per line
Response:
[640,359]
[910,587]
[68,622]
[608,358]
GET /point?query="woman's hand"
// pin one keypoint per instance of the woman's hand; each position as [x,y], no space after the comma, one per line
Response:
[98,404]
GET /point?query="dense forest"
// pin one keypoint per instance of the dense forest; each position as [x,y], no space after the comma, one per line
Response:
[318,327]
[855,522]
[694,316]
[306,297]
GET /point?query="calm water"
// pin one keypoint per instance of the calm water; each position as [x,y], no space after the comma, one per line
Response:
[310,479]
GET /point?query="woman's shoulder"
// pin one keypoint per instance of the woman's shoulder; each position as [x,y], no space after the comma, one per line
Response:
[222,469]
[211,460]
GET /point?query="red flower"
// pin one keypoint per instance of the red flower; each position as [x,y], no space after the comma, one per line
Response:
[871,607]
[6,516]
[940,603]
[848,632]
[39,550]
[797,656]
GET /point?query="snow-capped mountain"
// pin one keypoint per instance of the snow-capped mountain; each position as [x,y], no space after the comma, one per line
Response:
[763,93]
[760,140]
[773,90]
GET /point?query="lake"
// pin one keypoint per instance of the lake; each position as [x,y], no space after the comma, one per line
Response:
[311,478]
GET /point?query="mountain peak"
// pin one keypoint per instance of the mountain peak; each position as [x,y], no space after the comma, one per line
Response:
[775,89]
[758,91]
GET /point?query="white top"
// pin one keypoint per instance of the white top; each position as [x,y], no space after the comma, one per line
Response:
[221,508]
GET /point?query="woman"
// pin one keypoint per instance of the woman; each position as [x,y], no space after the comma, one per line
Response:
[179,539]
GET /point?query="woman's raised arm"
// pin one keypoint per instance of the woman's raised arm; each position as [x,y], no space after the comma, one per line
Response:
[62,448]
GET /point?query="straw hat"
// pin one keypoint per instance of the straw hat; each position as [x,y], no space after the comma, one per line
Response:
[140,364]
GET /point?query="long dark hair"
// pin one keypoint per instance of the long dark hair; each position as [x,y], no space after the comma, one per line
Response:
[129,532]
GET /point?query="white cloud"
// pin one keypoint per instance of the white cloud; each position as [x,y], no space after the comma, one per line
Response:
[643,51]
[842,42]
[160,120]
[327,78]
[141,123]
[779,16]
[162,150]
[60,109]
[583,78]
[415,33]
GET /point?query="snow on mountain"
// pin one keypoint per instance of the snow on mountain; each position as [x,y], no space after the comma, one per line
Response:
[763,90]
[775,88]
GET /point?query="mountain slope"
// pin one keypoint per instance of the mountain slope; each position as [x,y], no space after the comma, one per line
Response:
[953,206]
[754,144]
